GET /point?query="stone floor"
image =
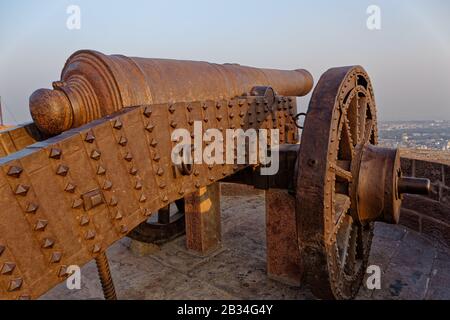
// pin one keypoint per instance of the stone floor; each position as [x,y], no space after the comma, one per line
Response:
[413,267]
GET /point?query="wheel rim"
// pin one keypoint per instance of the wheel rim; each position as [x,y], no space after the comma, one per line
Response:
[334,246]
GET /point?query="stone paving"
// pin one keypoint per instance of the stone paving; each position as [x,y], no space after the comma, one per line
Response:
[413,267]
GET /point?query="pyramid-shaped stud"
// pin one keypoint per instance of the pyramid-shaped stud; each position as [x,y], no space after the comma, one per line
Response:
[173,124]
[118,215]
[96,154]
[101,170]
[32,208]
[197,185]
[70,187]
[77,203]
[242,114]
[113,202]
[147,212]
[22,190]
[8,268]
[56,257]
[128,157]
[48,243]
[55,153]
[143,198]
[96,248]
[206,120]
[165,199]
[62,170]
[90,138]
[84,220]
[123,141]
[181,192]
[149,127]
[107,185]
[15,171]
[196,173]
[154,143]
[218,105]
[15,284]
[231,115]
[124,229]
[118,124]
[156,157]
[204,106]
[2,249]
[191,122]
[90,234]
[148,111]
[41,225]
[171,108]
[162,185]
[189,107]
[160,172]
[62,272]
[219,118]
[231,104]
[138,185]
[133,171]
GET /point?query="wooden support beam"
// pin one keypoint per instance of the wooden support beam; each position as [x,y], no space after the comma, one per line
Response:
[202,213]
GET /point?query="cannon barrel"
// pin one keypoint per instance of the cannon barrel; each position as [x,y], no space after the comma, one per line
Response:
[94,85]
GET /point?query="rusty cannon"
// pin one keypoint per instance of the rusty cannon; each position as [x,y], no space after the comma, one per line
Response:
[96,164]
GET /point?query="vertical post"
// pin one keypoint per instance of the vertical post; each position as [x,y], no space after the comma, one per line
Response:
[283,257]
[202,214]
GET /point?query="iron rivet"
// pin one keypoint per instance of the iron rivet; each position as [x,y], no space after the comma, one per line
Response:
[128,157]
[15,171]
[107,185]
[31,208]
[62,170]
[22,190]
[101,170]
[150,127]
[48,243]
[70,188]
[123,141]
[96,154]
[8,268]
[15,284]
[84,220]
[118,124]
[147,112]
[56,257]
[90,138]
[90,234]
[55,153]
[41,225]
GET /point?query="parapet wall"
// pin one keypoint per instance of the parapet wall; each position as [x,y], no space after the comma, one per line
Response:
[428,215]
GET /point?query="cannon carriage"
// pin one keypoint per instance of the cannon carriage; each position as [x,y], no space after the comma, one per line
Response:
[96,164]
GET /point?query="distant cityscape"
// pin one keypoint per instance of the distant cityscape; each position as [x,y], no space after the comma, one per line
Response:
[426,135]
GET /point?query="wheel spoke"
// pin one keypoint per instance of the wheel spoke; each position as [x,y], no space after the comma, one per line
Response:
[368,130]
[342,174]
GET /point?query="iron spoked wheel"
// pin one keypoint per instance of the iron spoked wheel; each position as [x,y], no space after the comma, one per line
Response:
[334,245]
[161,229]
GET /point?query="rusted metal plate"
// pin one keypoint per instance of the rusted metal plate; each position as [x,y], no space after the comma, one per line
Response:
[64,200]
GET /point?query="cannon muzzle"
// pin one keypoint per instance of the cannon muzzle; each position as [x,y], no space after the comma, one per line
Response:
[94,85]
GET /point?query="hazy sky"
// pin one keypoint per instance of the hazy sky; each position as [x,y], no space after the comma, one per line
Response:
[408,59]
